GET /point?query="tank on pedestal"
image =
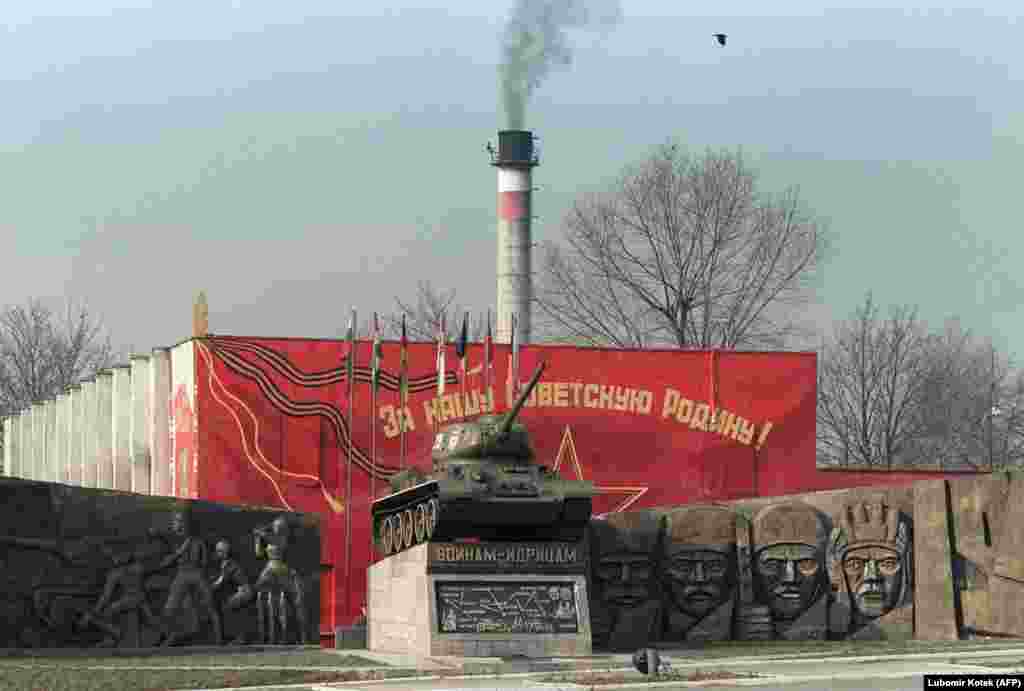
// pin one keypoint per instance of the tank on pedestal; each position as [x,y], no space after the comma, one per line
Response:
[484,484]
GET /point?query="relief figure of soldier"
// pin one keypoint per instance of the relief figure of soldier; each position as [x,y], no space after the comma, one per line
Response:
[124,590]
[231,576]
[625,597]
[280,590]
[699,573]
[871,555]
[189,584]
[790,542]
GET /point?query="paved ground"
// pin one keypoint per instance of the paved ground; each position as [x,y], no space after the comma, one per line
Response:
[889,666]
[792,672]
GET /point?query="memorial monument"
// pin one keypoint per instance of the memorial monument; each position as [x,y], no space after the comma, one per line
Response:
[486,555]
[100,568]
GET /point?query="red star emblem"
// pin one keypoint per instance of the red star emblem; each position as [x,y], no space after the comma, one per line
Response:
[567,453]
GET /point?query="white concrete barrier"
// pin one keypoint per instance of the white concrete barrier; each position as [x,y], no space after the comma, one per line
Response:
[50,429]
[60,466]
[8,436]
[139,435]
[87,430]
[160,414]
[71,453]
[104,425]
[120,417]
[38,442]
[19,450]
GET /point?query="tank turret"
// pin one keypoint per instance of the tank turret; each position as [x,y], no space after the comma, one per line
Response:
[484,484]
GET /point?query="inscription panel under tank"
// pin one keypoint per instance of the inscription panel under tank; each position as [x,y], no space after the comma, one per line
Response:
[507,607]
[507,557]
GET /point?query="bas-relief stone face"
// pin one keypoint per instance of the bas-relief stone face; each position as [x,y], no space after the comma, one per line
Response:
[873,579]
[872,551]
[699,571]
[625,578]
[787,578]
[699,578]
[790,539]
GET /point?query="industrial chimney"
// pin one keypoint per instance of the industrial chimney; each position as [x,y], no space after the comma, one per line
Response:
[515,160]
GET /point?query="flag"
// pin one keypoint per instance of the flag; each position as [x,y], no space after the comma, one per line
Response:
[350,356]
[440,357]
[460,345]
[403,375]
[377,355]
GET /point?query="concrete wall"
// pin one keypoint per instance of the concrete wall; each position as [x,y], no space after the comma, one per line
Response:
[935,560]
[60,470]
[112,431]
[87,432]
[121,412]
[139,435]
[74,458]
[104,456]
[8,436]
[184,456]
[159,427]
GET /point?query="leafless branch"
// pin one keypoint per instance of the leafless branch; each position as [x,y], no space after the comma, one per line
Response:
[681,251]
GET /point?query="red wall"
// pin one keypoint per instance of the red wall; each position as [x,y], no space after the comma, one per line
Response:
[273,428]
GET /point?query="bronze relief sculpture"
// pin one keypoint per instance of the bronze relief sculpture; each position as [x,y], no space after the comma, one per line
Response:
[871,559]
[626,611]
[699,573]
[790,541]
[103,568]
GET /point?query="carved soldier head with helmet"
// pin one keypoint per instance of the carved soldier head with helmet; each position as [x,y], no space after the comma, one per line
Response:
[789,559]
[871,553]
[699,571]
[623,548]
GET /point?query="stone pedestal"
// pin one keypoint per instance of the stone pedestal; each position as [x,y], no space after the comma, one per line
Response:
[481,600]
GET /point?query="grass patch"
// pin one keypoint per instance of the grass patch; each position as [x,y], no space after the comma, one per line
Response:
[61,678]
[762,649]
[1001,664]
[615,678]
[284,658]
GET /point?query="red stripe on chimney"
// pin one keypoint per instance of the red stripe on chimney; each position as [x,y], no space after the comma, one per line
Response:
[513,206]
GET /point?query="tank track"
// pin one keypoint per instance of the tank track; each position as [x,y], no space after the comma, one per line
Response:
[406,526]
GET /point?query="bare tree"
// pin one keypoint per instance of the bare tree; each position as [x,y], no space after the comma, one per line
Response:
[870,378]
[892,394]
[43,352]
[682,251]
[423,316]
[972,403]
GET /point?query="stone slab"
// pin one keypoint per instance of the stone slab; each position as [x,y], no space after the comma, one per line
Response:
[88,567]
[403,617]
[936,620]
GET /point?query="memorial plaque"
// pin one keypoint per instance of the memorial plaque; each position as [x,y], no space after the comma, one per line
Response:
[507,607]
[505,557]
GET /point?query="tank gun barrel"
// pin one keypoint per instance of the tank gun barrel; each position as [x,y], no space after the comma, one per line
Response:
[510,416]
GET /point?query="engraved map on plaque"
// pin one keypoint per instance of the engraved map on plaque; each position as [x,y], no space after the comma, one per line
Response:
[476,607]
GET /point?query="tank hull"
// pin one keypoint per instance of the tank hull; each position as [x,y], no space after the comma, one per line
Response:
[400,522]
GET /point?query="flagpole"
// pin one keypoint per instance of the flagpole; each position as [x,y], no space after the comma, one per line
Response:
[403,389]
[377,361]
[487,363]
[348,471]
[463,359]
[373,415]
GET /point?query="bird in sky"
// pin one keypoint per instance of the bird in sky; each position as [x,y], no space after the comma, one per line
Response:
[720,38]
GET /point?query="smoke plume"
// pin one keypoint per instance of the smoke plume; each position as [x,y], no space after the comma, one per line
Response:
[535,42]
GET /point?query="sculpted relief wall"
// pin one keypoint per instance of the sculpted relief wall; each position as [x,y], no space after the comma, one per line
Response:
[88,567]
[846,564]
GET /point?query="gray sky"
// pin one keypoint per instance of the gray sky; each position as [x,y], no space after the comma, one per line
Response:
[293,159]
